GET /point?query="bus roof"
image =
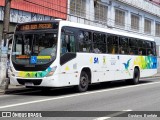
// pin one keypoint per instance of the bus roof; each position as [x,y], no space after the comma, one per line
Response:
[89,27]
[107,30]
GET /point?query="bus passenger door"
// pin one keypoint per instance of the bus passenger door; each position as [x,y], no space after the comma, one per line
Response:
[67,60]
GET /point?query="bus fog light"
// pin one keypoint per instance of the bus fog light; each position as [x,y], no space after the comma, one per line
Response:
[52,71]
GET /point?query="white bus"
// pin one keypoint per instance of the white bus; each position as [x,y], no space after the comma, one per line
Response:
[61,53]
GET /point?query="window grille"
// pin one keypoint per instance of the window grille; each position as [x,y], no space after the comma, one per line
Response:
[101,12]
[78,7]
[119,18]
[134,22]
[157,29]
[147,26]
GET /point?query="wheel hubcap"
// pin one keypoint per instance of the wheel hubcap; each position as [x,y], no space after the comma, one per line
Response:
[83,81]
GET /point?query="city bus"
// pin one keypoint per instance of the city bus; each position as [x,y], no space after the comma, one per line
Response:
[61,53]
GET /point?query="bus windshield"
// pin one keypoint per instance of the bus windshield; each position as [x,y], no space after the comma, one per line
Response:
[38,48]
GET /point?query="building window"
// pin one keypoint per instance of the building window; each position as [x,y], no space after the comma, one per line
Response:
[157,29]
[123,45]
[147,26]
[100,12]
[78,7]
[134,22]
[119,17]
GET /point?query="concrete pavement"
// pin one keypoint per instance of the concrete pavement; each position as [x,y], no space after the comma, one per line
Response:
[114,97]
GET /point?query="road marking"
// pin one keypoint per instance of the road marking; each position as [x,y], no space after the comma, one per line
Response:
[102,118]
[75,95]
[113,115]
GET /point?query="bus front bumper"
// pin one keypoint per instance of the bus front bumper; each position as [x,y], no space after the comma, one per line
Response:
[45,82]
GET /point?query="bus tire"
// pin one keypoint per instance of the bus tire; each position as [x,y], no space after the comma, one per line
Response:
[136,76]
[83,82]
[135,79]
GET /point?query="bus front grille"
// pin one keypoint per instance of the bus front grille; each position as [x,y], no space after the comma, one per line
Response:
[34,81]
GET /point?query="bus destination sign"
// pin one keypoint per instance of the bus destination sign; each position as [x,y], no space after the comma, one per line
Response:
[35,26]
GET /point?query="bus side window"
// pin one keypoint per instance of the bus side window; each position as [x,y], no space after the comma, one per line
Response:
[63,44]
[72,44]
[133,46]
[84,41]
[149,52]
[112,43]
[99,43]
[140,52]
[133,51]
[68,44]
[123,45]
[67,41]
[153,47]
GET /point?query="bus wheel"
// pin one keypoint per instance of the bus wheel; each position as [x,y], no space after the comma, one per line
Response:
[83,83]
[135,79]
[136,76]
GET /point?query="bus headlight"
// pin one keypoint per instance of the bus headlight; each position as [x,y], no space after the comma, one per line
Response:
[52,71]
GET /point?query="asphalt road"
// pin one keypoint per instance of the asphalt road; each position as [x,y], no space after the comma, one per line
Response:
[107,100]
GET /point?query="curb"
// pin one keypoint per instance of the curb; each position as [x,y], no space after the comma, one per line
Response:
[11,88]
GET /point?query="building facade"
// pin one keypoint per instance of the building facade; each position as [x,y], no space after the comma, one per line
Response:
[136,16]
[29,10]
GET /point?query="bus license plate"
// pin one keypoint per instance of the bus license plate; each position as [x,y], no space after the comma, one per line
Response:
[29,84]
